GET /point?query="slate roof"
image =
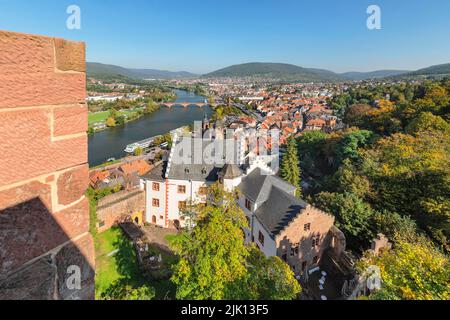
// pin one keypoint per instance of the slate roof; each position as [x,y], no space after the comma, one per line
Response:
[257,186]
[230,171]
[157,174]
[202,171]
[276,202]
[194,172]
[279,210]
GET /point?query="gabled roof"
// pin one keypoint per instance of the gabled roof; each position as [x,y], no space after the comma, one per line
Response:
[257,186]
[140,166]
[230,171]
[204,170]
[279,210]
[157,174]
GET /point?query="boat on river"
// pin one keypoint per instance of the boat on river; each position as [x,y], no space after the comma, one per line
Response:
[140,144]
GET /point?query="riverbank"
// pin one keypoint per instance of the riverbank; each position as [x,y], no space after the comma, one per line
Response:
[111,143]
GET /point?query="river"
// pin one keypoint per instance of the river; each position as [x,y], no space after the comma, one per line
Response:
[112,142]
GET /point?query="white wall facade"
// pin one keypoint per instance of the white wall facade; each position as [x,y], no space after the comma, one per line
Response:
[269,247]
[192,192]
[151,211]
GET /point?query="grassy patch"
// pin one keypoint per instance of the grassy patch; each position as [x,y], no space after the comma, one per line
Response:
[171,238]
[123,265]
[98,117]
[104,115]
[118,266]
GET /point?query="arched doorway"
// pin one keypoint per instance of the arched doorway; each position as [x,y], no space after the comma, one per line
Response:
[154,219]
[177,224]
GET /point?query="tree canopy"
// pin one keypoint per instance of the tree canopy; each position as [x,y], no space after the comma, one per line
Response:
[215,263]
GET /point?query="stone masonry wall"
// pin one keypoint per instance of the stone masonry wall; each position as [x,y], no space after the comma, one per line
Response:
[45,244]
[320,225]
[111,209]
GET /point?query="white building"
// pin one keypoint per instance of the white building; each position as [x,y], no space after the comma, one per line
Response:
[280,224]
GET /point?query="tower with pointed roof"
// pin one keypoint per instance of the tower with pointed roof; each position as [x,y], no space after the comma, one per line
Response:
[230,176]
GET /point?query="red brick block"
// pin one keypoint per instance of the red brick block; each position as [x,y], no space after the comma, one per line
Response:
[27,150]
[70,120]
[28,89]
[72,185]
[70,55]
[26,54]
[26,192]
[27,230]
[74,221]
[29,74]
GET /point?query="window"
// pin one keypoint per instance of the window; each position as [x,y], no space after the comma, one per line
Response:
[248,221]
[261,238]
[315,241]
[202,191]
[307,227]
[155,186]
[182,205]
[101,224]
[182,189]
[248,204]
[315,259]
[155,203]
[161,218]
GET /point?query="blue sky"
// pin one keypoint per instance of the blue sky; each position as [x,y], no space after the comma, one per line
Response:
[204,35]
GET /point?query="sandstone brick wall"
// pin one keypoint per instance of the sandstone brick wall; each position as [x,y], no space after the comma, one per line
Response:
[117,206]
[44,215]
[294,234]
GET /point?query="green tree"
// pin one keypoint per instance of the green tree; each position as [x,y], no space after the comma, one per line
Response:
[120,120]
[138,152]
[267,279]
[394,226]
[426,121]
[290,165]
[352,216]
[216,264]
[213,255]
[410,175]
[411,271]
[121,290]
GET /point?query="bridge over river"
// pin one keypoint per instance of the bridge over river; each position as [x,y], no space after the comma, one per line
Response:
[185,104]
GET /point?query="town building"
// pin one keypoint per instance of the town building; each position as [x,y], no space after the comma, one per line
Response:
[280,224]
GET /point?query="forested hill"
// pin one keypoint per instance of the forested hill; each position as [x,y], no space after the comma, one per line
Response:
[100,70]
[276,70]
